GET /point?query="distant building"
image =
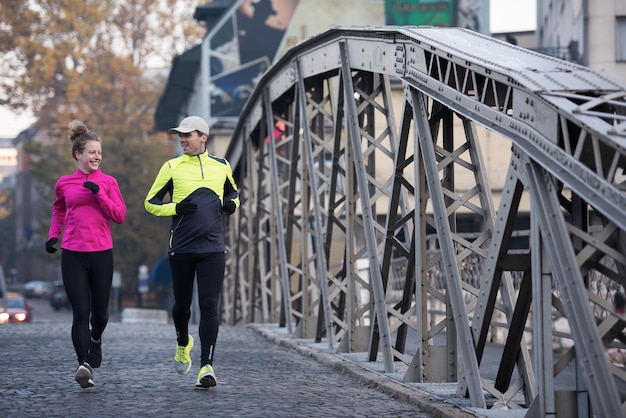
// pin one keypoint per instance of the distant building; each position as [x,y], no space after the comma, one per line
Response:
[591,33]
[8,163]
[525,39]
[31,262]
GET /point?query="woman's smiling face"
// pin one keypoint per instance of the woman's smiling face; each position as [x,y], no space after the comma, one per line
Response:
[89,160]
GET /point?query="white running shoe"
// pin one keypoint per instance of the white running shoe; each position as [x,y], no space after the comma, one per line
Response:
[84,375]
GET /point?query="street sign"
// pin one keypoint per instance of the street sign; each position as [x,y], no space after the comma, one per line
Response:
[143,279]
[117,280]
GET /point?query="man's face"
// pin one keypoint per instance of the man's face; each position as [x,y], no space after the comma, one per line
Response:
[192,143]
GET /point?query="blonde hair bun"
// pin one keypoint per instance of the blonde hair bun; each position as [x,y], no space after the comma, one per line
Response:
[77,128]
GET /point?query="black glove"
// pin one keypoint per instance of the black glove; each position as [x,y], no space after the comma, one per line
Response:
[229,207]
[91,186]
[50,245]
[186,207]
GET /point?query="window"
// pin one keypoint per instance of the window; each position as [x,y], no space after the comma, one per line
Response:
[621,38]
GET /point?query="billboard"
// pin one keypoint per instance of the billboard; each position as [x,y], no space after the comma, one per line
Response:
[243,49]
[420,12]
[446,13]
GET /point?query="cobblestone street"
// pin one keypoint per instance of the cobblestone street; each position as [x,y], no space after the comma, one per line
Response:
[256,377]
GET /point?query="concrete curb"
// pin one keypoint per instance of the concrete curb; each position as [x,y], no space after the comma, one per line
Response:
[144,315]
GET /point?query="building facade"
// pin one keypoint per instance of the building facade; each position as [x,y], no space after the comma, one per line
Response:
[8,162]
[589,32]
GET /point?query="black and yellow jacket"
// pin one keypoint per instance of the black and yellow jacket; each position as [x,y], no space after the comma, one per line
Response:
[209,182]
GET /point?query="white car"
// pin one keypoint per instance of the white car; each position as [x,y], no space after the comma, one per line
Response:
[37,289]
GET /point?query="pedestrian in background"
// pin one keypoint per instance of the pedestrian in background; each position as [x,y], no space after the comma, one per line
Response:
[86,202]
[201,188]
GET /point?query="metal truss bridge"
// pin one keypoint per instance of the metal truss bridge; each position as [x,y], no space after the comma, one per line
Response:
[357,155]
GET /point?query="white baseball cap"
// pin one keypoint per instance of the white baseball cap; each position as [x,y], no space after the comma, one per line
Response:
[190,124]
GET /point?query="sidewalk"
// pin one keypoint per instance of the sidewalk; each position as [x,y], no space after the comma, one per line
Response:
[260,373]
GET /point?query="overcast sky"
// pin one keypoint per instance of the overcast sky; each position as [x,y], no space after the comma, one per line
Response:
[12,124]
[512,15]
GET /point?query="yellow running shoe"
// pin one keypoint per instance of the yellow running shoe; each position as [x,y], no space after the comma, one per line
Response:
[206,378]
[182,360]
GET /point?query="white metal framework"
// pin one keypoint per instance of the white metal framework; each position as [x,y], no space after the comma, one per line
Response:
[317,208]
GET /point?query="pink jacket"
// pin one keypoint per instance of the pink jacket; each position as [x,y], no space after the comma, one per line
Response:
[84,214]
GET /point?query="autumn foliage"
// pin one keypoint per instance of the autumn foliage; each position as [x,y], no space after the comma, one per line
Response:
[104,62]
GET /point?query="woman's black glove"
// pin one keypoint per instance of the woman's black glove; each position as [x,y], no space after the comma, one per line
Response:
[186,207]
[50,245]
[229,207]
[91,186]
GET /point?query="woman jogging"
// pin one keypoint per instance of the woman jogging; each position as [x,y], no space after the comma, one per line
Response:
[86,201]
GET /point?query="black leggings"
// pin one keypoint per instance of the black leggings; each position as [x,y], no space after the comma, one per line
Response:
[87,280]
[209,268]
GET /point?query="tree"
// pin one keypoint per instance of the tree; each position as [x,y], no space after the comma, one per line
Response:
[88,60]
[45,45]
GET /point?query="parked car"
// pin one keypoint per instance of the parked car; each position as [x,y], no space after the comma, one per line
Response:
[59,300]
[37,289]
[4,314]
[18,308]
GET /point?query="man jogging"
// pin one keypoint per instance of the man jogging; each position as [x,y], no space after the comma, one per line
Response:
[201,188]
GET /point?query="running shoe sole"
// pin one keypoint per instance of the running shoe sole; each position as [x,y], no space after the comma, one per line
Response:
[84,377]
[206,382]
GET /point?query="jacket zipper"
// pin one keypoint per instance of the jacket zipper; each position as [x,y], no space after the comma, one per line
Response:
[173,230]
[201,168]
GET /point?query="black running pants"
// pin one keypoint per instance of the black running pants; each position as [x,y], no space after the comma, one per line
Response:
[209,270]
[87,279]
